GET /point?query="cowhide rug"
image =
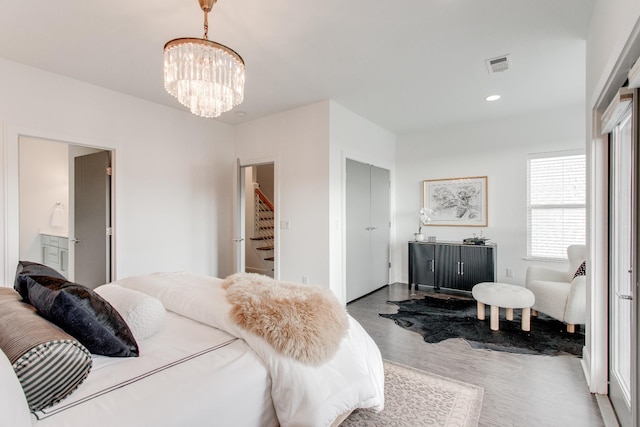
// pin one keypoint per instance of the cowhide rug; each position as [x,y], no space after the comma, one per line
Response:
[441,317]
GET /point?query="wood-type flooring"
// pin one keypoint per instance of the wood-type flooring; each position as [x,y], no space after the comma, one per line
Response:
[519,390]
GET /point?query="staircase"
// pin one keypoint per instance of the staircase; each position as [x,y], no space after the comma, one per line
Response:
[263,229]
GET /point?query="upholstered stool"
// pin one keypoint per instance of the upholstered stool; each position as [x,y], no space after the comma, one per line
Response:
[506,296]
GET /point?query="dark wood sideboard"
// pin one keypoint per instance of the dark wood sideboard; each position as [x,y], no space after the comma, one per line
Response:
[451,265]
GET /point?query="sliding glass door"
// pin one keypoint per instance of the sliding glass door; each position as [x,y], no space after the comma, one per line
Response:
[623,263]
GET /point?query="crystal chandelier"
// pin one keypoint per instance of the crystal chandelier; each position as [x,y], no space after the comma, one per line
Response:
[205,76]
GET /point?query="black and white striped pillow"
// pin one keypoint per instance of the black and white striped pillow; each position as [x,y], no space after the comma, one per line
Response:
[51,371]
[49,363]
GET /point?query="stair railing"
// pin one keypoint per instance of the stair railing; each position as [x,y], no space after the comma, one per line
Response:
[264,217]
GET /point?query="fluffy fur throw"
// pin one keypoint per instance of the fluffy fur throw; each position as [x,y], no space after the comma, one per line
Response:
[304,322]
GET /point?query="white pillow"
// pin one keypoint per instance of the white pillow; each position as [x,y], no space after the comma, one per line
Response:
[143,313]
[13,403]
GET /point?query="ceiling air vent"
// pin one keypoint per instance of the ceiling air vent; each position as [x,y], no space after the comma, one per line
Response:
[499,64]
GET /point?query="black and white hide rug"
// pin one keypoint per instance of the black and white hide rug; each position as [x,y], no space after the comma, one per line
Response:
[440,317]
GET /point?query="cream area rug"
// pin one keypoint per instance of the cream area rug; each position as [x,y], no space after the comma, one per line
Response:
[416,398]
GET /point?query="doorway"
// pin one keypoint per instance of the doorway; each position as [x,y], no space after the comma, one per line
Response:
[255,219]
[64,212]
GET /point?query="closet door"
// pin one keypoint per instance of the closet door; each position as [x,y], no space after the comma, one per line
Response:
[358,216]
[367,228]
[379,228]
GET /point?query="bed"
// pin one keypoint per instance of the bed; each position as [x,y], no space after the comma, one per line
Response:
[202,368]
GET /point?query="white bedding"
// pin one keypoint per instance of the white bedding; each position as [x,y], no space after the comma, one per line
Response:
[302,395]
[184,376]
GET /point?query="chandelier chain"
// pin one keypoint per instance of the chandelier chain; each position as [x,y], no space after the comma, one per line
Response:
[206,25]
[206,6]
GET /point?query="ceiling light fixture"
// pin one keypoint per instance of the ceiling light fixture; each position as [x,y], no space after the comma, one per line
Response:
[205,76]
[492,97]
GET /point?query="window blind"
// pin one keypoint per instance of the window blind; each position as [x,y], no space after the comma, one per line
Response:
[556,203]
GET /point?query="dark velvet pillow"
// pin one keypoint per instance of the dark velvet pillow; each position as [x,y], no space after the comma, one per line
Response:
[81,313]
[28,268]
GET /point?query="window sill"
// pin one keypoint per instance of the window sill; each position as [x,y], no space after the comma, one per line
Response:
[541,259]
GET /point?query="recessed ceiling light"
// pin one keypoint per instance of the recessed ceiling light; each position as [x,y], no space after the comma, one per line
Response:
[492,97]
[240,113]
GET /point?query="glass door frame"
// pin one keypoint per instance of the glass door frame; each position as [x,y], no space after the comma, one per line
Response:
[623,277]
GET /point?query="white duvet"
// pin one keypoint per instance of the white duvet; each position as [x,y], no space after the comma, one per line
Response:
[303,395]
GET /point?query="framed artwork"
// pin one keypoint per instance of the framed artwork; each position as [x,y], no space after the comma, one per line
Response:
[456,201]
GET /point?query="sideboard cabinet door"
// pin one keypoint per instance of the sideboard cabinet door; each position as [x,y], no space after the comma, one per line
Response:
[477,265]
[421,264]
[448,266]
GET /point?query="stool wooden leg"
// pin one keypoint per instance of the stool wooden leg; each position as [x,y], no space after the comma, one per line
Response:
[534,313]
[495,317]
[480,310]
[509,313]
[571,328]
[526,319]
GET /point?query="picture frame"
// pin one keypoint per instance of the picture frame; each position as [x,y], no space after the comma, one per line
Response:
[456,201]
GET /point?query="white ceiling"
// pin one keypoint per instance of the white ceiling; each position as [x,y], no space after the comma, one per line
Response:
[405,65]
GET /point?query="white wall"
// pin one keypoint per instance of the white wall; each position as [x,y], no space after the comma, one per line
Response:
[612,22]
[297,142]
[497,149]
[172,171]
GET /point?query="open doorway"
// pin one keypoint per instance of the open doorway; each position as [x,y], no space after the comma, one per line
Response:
[256,219]
[65,208]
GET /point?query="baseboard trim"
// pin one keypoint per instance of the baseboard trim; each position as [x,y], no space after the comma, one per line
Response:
[606,410]
[375,290]
[586,365]
[604,404]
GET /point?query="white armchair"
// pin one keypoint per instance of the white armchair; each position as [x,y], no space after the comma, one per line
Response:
[558,294]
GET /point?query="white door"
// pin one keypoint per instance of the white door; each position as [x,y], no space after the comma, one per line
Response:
[623,268]
[358,216]
[380,223]
[367,228]
[239,220]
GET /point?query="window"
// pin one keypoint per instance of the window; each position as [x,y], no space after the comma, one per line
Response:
[556,212]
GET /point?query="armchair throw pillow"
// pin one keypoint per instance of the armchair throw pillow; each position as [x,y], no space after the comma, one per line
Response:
[582,270]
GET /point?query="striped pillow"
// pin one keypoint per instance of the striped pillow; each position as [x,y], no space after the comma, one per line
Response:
[49,363]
